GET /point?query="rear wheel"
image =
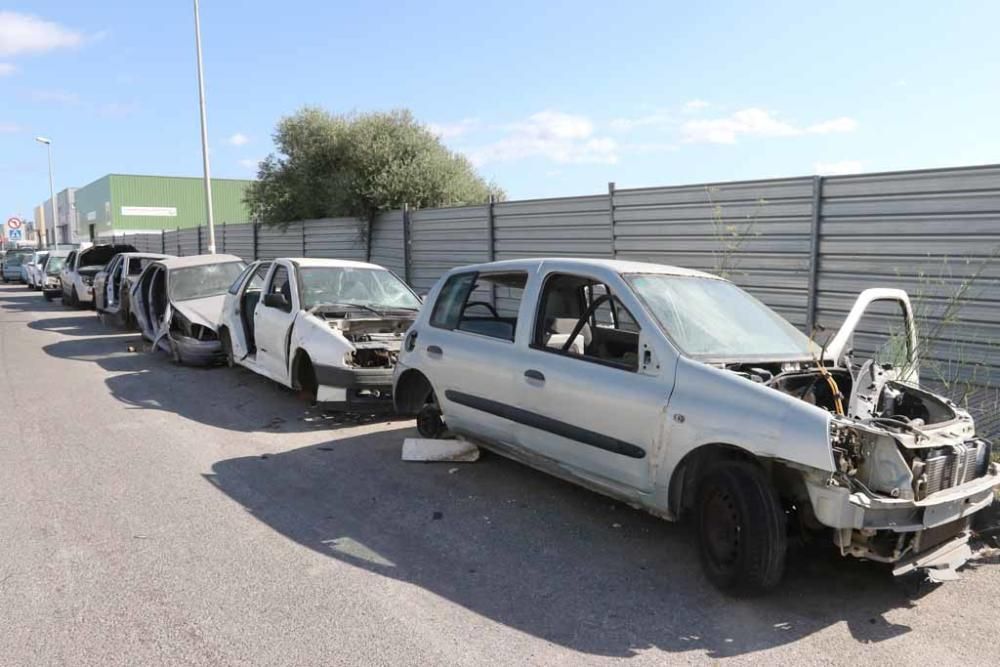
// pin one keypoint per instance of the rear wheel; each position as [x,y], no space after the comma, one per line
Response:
[741,529]
[430,423]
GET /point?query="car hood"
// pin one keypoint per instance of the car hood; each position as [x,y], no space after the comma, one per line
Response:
[205,311]
[90,270]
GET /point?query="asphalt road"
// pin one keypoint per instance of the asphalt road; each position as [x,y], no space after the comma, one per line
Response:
[154,514]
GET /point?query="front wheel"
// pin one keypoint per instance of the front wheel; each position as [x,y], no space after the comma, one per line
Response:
[227,348]
[430,423]
[741,529]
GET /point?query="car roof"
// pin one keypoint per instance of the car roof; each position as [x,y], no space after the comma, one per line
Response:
[144,255]
[197,260]
[316,262]
[583,264]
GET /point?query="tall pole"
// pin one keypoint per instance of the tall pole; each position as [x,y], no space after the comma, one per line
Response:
[55,203]
[204,135]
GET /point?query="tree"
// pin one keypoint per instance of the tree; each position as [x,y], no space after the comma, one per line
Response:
[359,165]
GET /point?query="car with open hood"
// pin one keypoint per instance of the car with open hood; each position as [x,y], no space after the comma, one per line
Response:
[332,328]
[677,392]
[77,276]
[113,284]
[177,303]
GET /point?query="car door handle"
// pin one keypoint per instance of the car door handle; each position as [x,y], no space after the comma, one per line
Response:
[534,375]
[434,351]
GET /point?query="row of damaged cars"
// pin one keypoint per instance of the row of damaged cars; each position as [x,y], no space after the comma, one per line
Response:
[672,390]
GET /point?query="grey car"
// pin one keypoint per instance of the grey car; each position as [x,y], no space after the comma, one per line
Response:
[177,303]
[677,392]
[113,284]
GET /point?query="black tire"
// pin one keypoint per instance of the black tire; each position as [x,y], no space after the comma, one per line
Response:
[305,377]
[430,423]
[49,297]
[175,352]
[227,348]
[74,299]
[742,530]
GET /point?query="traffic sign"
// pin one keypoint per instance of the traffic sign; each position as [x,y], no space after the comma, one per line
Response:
[14,223]
[14,234]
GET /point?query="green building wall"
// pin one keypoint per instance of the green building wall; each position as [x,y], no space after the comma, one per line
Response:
[105,203]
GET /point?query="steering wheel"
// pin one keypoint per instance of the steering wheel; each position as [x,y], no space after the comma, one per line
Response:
[578,327]
[484,304]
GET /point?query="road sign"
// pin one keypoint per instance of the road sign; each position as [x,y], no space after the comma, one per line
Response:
[14,234]
[14,223]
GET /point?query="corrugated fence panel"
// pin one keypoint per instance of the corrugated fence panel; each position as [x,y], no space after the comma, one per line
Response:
[935,234]
[335,238]
[567,227]
[170,242]
[188,241]
[275,241]
[236,240]
[756,233]
[387,242]
[443,238]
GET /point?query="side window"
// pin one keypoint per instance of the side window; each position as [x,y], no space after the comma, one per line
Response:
[235,287]
[485,304]
[69,261]
[448,307]
[279,284]
[581,317]
[257,280]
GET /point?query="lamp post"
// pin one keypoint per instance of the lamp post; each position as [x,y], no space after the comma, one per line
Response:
[204,134]
[52,194]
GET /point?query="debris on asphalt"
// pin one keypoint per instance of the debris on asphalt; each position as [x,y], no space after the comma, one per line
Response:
[426,449]
[436,516]
[452,471]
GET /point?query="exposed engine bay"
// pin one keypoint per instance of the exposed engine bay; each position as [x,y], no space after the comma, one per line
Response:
[892,441]
[376,340]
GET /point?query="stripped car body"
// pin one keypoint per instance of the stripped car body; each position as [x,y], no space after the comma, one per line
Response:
[77,276]
[177,302]
[51,283]
[332,328]
[113,284]
[689,396]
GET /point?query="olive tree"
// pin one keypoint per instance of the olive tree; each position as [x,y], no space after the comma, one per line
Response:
[359,165]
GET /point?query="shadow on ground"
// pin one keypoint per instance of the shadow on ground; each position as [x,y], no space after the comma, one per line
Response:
[543,556]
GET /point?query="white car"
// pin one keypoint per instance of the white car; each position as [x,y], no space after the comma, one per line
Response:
[677,392]
[77,276]
[113,284]
[332,328]
[32,268]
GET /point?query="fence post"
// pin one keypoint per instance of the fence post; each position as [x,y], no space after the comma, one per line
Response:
[223,236]
[163,242]
[491,235]
[611,217]
[814,231]
[254,228]
[407,273]
[303,238]
[199,239]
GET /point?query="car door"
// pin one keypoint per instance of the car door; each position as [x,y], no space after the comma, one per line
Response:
[273,323]
[467,348]
[880,326]
[238,312]
[103,281]
[592,381]
[66,274]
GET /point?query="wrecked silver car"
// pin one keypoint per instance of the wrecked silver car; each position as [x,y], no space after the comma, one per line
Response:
[177,302]
[677,392]
[328,327]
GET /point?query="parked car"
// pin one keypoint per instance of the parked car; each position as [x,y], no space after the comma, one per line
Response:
[676,391]
[81,266]
[32,268]
[331,328]
[113,283]
[51,270]
[177,303]
[12,262]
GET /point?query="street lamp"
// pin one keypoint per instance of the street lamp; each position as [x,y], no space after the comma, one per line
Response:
[204,134]
[52,194]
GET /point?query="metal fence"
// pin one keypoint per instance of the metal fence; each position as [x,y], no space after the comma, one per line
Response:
[804,246]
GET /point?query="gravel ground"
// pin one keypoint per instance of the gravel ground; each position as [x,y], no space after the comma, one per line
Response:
[154,514]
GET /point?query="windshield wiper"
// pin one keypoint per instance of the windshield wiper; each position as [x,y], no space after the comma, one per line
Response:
[345,306]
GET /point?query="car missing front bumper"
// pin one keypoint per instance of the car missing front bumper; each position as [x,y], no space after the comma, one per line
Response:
[354,389]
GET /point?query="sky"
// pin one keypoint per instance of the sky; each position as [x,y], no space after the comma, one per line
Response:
[546,98]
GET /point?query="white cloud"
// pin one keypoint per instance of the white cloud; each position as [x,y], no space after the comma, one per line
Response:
[250,164]
[552,135]
[6,69]
[26,34]
[693,106]
[756,123]
[454,130]
[654,119]
[836,168]
[238,139]
[63,97]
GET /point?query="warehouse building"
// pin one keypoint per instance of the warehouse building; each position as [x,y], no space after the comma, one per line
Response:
[132,204]
[64,229]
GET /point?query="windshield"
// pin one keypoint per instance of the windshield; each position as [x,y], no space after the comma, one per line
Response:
[370,288]
[54,265]
[196,282]
[14,260]
[715,319]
